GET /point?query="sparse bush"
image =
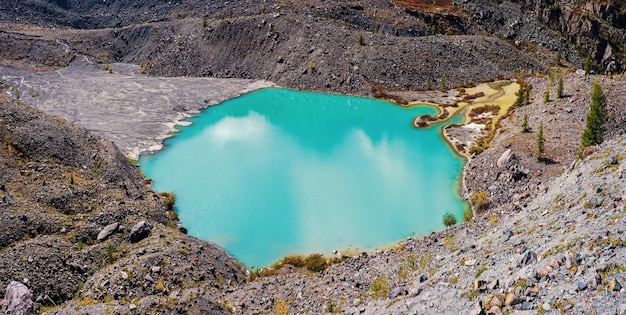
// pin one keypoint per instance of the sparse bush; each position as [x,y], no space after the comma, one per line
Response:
[546,95]
[559,88]
[443,82]
[281,307]
[361,41]
[315,263]
[205,23]
[468,215]
[296,261]
[380,288]
[449,219]
[480,200]
[110,252]
[170,199]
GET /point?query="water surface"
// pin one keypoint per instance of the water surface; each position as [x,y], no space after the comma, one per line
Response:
[278,172]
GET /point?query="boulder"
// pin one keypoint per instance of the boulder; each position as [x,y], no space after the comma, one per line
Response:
[614,285]
[19,299]
[588,151]
[139,231]
[108,231]
[505,158]
[528,257]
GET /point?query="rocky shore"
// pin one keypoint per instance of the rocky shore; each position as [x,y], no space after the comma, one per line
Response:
[81,231]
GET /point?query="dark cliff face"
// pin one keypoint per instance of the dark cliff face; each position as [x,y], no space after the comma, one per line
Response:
[575,28]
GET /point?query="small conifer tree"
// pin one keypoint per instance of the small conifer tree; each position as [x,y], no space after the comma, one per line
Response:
[596,118]
[546,96]
[525,127]
[540,143]
[361,41]
[559,88]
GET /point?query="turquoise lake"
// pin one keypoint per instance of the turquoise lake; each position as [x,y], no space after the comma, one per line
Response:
[278,172]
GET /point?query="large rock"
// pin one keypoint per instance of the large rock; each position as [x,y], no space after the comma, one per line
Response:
[139,231]
[19,298]
[505,158]
[108,231]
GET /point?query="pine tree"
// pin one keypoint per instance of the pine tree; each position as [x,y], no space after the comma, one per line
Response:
[361,41]
[559,88]
[540,142]
[525,127]
[596,118]
[546,96]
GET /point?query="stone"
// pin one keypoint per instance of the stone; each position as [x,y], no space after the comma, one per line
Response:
[423,277]
[477,309]
[493,284]
[479,285]
[108,231]
[494,310]
[581,286]
[397,291]
[527,306]
[124,275]
[612,159]
[148,277]
[495,301]
[470,262]
[156,269]
[546,307]
[528,257]
[19,299]
[139,231]
[614,285]
[505,158]
[511,300]
[588,151]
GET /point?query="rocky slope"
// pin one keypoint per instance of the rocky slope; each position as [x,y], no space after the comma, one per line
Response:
[80,227]
[60,188]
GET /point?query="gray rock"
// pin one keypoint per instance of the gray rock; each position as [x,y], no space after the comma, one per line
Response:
[139,231]
[528,257]
[581,286]
[148,277]
[477,309]
[423,277]
[108,231]
[19,299]
[505,158]
[612,159]
[397,291]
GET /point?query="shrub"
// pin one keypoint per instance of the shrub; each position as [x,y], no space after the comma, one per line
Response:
[449,219]
[380,288]
[281,307]
[296,261]
[468,215]
[546,95]
[480,200]
[170,199]
[361,41]
[315,263]
[559,88]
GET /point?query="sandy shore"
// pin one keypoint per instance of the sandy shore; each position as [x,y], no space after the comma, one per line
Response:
[134,111]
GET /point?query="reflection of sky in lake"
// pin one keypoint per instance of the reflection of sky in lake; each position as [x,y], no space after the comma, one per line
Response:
[278,172]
